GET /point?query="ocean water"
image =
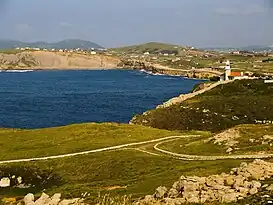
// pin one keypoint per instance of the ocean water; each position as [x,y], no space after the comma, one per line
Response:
[54,98]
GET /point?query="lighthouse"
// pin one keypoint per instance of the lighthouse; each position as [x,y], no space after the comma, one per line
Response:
[227,70]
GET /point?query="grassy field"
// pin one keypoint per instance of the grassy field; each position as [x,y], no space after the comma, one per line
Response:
[124,172]
[10,51]
[240,102]
[117,173]
[152,47]
[74,138]
[250,141]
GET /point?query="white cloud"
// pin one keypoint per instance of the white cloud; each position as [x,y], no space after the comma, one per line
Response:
[65,24]
[248,10]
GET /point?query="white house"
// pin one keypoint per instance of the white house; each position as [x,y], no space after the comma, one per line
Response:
[232,75]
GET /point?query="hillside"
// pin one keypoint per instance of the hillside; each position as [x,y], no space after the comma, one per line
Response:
[121,171]
[240,102]
[133,170]
[55,60]
[65,44]
[152,47]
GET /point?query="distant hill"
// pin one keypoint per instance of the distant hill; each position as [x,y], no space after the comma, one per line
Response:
[152,47]
[65,44]
[256,48]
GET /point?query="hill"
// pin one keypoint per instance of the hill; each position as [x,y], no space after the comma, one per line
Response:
[65,44]
[255,48]
[151,47]
[240,102]
[14,59]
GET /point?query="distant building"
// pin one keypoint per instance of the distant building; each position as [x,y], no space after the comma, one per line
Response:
[232,75]
[93,52]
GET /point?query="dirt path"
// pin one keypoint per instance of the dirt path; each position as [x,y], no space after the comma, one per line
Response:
[208,158]
[92,151]
[159,142]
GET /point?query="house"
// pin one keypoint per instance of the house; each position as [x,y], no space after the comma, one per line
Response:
[232,75]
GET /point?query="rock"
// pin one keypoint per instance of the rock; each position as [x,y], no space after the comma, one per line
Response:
[253,191]
[192,197]
[256,184]
[70,201]
[270,188]
[44,199]
[229,150]
[229,181]
[173,193]
[239,181]
[5,182]
[19,180]
[55,199]
[160,192]
[228,198]
[29,199]
[148,199]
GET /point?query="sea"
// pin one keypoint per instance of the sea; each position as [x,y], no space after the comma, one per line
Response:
[42,99]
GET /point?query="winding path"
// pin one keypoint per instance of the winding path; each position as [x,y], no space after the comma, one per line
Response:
[95,150]
[208,158]
[163,152]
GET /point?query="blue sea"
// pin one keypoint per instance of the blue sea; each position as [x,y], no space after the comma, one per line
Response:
[54,98]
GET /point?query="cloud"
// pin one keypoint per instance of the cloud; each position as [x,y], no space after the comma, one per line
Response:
[65,24]
[247,10]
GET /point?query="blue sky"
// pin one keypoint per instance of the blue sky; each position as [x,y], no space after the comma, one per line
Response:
[112,23]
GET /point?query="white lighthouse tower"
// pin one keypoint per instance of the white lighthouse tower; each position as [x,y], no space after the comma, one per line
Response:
[227,70]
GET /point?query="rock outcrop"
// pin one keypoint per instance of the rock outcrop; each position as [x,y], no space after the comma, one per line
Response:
[45,199]
[225,188]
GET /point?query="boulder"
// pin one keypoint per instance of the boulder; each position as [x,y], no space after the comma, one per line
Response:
[55,199]
[29,199]
[255,184]
[192,197]
[228,198]
[253,191]
[44,199]
[148,199]
[173,193]
[270,188]
[229,181]
[5,182]
[160,192]
[239,181]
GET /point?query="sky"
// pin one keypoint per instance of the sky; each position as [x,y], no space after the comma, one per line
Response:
[114,23]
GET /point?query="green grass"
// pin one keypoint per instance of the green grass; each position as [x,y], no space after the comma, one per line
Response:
[240,102]
[10,51]
[115,173]
[140,173]
[152,47]
[74,138]
[201,146]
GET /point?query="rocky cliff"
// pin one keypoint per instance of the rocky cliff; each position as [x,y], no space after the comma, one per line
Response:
[158,69]
[56,60]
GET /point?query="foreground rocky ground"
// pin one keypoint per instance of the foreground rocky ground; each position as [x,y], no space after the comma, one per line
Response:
[240,183]
[246,181]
